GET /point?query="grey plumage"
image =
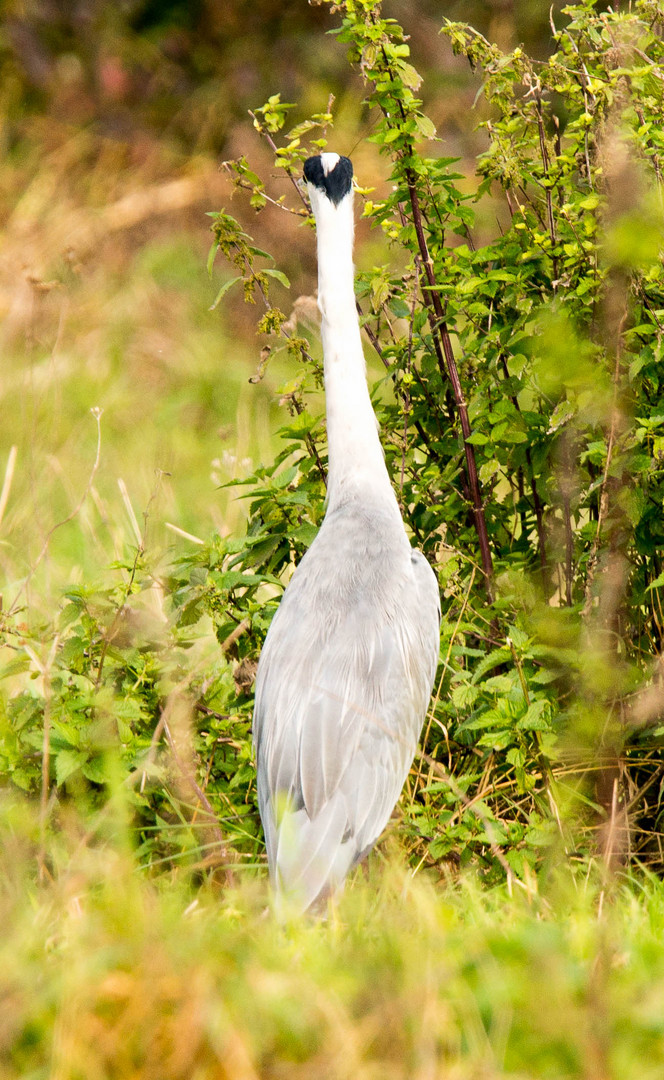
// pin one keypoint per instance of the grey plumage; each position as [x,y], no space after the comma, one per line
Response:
[346,671]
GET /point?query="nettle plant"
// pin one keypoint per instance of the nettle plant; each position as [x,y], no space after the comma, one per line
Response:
[523,426]
[521,418]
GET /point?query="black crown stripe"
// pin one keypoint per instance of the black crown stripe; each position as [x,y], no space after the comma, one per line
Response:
[338,181]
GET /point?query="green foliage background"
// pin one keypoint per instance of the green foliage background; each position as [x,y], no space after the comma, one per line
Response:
[511,295]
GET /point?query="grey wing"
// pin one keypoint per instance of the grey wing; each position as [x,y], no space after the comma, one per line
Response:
[339,707]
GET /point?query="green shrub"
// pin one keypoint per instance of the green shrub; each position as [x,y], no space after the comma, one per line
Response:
[520,413]
[522,426]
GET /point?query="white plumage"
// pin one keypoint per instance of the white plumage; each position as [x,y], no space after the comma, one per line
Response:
[348,664]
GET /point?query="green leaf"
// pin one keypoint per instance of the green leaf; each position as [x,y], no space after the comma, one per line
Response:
[491,660]
[562,414]
[283,479]
[464,695]
[657,583]
[536,717]
[68,762]
[211,257]
[487,719]
[425,126]
[278,275]
[96,771]
[489,469]
[15,666]
[223,290]
[232,579]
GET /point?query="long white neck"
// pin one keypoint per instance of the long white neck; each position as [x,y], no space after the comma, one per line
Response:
[356,461]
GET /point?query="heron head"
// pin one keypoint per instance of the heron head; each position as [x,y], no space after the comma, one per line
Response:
[331,175]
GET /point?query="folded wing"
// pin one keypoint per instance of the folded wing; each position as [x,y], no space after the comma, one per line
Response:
[340,702]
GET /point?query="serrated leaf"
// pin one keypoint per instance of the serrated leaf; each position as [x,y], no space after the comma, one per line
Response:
[489,469]
[488,719]
[491,660]
[306,534]
[231,579]
[514,435]
[518,637]
[563,412]
[464,694]
[657,583]
[95,770]
[496,740]
[536,717]
[498,684]
[283,479]
[15,666]
[67,762]
[69,614]
[399,308]
[409,75]
[128,709]
[425,126]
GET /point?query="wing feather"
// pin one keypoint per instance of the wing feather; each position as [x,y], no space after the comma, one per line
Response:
[304,869]
[326,744]
[341,693]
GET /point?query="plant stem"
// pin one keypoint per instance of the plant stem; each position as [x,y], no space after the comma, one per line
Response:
[537,502]
[447,364]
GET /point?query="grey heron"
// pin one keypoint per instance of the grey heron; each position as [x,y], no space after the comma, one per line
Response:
[346,671]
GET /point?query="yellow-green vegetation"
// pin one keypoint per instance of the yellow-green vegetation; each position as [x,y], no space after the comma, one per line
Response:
[140,346]
[105,974]
[153,501]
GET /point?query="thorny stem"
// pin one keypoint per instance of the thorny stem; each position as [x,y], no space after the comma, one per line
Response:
[565,494]
[604,487]
[406,396]
[386,364]
[311,445]
[549,199]
[537,502]
[447,364]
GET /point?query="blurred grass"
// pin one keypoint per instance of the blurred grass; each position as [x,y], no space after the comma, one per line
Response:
[106,974]
[179,417]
